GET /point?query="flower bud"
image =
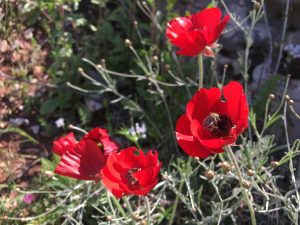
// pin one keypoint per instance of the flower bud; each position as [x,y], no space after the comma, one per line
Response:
[274,164]
[167,67]
[155,58]
[135,23]
[109,218]
[250,172]
[103,61]
[80,70]
[291,102]
[49,173]
[99,67]
[246,184]
[287,97]
[143,222]
[209,174]
[256,5]
[128,43]
[271,96]
[226,167]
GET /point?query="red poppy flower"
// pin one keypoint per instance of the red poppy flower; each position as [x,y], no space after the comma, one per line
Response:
[130,171]
[61,145]
[197,33]
[212,121]
[85,159]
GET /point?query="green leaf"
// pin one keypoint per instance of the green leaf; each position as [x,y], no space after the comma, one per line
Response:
[20,132]
[263,93]
[49,106]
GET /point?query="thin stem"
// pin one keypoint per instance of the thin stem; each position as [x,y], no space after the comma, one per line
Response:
[200,63]
[291,166]
[221,202]
[129,209]
[286,13]
[239,173]
[72,127]
[176,202]
[294,112]
[110,204]
[117,203]
[137,145]
[148,210]
[185,175]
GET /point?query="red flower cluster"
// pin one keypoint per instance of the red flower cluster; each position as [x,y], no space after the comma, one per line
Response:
[213,119]
[84,159]
[197,33]
[95,157]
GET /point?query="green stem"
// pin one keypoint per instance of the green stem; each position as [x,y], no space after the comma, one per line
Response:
[176,202]
[129,209]
[239,174]
[182,181]
[137,144]
[117,203]
[110,204]
[200,63]
[148,210]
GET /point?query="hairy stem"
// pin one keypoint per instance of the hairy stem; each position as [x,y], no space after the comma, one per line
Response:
[239,174]
[129,209]
[148,210]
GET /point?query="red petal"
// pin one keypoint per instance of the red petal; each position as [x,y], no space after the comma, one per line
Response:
[237,105]
[216,32]
[178,26]
[96,134]
[208,18]
[202,102]
[208,52]
[216,145]
[100,135]
[111,183]
[181,34]
[187,141]
[109,146]
[132,158]
[114,167]
[147,176]
[83,162]
[152,158]
[145,190]
[63,144]
[191,43]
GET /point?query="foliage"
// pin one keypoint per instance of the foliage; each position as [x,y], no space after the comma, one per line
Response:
[141,79]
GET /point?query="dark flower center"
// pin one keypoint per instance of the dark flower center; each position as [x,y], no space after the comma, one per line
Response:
[132,181]
[218,125]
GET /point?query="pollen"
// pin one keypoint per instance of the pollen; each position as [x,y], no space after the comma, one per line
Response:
[132,181]
[218,125]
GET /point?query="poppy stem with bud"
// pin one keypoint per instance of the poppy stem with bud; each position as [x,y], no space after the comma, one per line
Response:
[242,183]
[200,63]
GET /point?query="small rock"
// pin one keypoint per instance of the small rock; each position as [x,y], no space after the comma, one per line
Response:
[19,121]
[60,122]
[4,46]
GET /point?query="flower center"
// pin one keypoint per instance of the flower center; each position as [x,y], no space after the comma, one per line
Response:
[218,125]
[132,181]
